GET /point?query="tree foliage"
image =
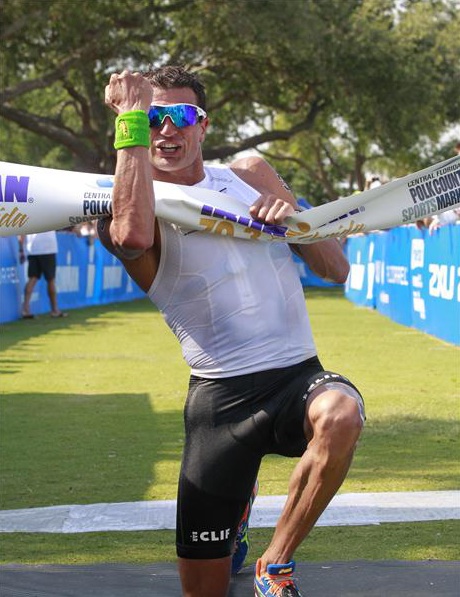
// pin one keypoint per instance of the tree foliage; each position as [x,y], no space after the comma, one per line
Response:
[324,87]
[397,78]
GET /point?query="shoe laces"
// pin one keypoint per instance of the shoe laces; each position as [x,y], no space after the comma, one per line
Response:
[280,583]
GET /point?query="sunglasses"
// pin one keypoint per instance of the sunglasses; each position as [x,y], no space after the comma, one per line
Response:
[182,115]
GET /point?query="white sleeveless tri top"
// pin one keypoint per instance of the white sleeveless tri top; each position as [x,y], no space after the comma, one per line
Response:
[236,306]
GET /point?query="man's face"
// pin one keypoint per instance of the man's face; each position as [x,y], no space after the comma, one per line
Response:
[175,153]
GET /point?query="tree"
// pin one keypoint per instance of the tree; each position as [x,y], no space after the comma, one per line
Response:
[324,85]
[398,89]
[58,55]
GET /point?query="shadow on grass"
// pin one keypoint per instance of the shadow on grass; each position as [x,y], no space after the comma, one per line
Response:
[62,448]
[79,449]
[88,446]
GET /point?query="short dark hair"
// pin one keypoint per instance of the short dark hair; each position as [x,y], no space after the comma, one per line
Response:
[175,77]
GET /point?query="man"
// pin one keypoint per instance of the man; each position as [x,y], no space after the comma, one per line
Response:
[238,310]
[41,250]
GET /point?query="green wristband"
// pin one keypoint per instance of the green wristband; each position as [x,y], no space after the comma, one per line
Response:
[132,130]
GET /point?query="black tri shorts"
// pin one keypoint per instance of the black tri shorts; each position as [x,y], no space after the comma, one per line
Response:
[230,424]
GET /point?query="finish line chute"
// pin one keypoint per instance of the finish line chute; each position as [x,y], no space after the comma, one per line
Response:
[34,199]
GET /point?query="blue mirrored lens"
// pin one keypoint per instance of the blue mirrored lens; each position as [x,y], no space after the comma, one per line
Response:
[182,115]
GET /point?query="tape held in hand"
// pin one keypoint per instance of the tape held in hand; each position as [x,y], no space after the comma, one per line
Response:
[132,130]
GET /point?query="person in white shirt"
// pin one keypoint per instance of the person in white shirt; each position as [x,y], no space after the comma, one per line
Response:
[40,250]
[444,219]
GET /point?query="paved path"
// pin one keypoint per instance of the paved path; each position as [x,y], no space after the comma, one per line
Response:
[328,579]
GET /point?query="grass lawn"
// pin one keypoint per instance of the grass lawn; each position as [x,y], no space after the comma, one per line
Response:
[91,411]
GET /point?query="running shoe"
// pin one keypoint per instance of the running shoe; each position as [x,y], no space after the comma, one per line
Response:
[242,535]
[277,582]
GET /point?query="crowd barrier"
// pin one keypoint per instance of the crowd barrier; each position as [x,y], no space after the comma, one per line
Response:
[86,275]
[404,273]
[410,276]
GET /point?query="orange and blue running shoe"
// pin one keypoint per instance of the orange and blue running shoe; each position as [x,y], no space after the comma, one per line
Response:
[277,582]
[242,535]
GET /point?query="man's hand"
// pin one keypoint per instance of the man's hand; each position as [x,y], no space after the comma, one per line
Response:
[128,91]
[271,209]
[276,202]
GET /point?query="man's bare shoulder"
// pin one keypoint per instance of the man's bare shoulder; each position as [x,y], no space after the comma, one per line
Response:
[252,163]
[259,174]
[254,170]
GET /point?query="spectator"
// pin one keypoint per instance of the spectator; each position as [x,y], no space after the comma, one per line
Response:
[373,183]
[41,250]
[447,217]
[424,222]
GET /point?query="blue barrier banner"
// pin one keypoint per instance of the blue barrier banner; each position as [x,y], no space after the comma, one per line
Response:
[394,290]
[407,274]
[440,293]
[112,282]
[360,282]
[410,276]
[86,275]
[10,280]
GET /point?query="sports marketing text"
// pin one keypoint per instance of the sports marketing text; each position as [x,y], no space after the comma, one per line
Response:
[439,190]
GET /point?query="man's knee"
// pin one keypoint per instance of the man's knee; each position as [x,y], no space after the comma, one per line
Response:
[336,411]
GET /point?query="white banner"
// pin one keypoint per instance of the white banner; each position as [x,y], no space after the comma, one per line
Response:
[36,199]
